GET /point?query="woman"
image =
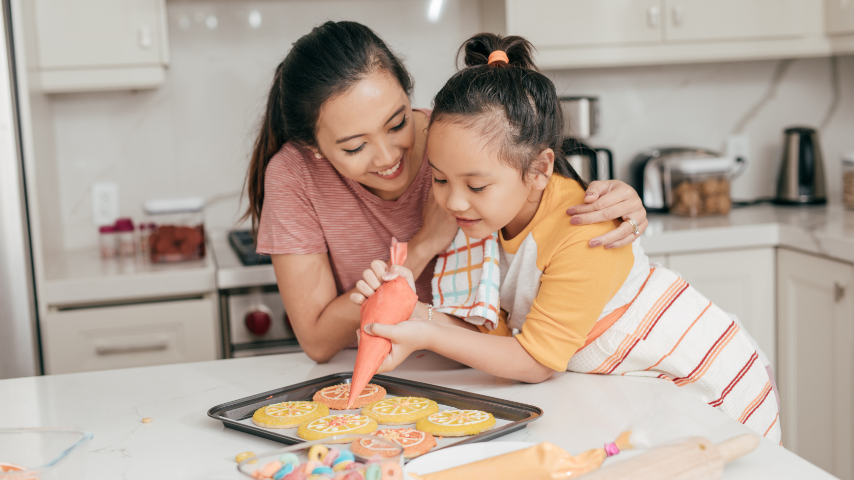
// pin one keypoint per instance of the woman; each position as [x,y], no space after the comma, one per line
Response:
[339,168]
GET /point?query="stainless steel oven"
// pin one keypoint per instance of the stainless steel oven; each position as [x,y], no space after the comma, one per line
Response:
[253,319]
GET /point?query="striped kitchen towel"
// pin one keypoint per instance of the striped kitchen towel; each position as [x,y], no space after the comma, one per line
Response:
[465,282]
[671,331]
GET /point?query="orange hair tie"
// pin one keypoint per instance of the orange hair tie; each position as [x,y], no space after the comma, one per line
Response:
[498,56]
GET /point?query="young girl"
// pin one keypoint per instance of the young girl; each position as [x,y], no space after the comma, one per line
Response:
[494,149]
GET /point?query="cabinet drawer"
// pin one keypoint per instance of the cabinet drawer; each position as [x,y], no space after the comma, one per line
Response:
[698,20]
[124,336]
[570,23]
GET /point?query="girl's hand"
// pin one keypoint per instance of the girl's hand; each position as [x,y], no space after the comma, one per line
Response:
[375,276]
[608,200]
[437,231]
[406,337]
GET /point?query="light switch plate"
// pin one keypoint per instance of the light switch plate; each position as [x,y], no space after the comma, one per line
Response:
[105,203]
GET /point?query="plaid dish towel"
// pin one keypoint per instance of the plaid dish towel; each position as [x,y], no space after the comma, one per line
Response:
[465,282]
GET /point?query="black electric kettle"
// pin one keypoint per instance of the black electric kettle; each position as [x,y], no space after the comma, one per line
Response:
[801,178]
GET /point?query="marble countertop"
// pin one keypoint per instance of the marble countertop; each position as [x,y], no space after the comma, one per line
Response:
[823,230]
[580,412]
[83,277]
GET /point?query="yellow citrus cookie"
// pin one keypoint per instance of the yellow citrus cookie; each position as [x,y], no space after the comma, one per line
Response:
[336,396]
[400,410]
[336,425]
[288,414]
[456,423]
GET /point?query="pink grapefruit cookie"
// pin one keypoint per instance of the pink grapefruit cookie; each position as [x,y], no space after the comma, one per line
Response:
[288,414]
[335,397]
[400,410]
[414,443]
[456,423]
[332,425]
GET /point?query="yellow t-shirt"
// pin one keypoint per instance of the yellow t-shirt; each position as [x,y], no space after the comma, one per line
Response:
[554,287]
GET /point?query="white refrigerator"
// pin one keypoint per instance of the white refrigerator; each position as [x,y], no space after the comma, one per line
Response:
[19,345]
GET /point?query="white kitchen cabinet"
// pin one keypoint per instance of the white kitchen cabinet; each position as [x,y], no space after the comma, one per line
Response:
[598,33]
[840,17]
[816,312]
[100,338]
[556,23]
[702,20]
[740,282]
[98,44]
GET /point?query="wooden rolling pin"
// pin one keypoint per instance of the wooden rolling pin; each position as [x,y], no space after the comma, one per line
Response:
[694,459]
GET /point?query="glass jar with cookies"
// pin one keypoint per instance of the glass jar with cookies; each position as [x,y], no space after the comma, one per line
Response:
[176,230]
[700,186]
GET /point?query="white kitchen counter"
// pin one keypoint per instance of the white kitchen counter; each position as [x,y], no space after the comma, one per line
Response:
[83,277]
[821,230]
[581,412]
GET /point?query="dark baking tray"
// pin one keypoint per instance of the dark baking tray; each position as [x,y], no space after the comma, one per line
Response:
[519,414]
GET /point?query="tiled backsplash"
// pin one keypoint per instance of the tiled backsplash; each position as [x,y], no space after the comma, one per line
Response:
[193,135]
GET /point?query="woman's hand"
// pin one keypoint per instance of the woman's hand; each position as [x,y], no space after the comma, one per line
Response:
[375,276]
[437,231]
[406,337]
[607,200]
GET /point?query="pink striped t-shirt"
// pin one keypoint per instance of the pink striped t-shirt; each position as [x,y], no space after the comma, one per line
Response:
[311,208]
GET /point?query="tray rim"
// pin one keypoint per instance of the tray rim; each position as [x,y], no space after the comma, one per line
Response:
[534,412]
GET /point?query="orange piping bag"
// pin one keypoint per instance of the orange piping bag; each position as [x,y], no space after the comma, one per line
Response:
[392,303]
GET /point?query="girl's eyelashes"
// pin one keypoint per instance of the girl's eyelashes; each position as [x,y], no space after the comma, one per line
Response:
[477,189]
[354,151]
[440,182]
[400,126]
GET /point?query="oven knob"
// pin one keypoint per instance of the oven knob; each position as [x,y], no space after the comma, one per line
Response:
[258,322]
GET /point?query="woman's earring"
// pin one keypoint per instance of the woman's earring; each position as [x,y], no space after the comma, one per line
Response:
[317,155]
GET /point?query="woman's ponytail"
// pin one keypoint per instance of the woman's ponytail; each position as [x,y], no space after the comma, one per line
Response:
[270,139]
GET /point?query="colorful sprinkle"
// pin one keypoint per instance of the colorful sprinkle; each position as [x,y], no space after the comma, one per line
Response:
[344,455]
[374,472]
[289,458]
[317,453]
[243,456]
[286,469]
[331,457]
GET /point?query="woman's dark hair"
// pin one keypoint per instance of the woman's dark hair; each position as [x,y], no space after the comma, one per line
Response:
[322,64]
[513,105]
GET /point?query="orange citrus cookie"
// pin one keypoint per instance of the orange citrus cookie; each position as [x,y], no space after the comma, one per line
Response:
[414,443]
[456,423]
[335,397]
[288,414]
[332,425]
[400,410]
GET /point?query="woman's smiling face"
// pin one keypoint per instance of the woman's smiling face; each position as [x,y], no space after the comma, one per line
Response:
[469,182]
[367,133]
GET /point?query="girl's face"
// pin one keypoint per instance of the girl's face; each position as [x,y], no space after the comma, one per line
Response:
[367,133]
[469,181]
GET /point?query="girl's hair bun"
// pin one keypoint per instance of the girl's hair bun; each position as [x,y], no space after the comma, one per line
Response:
[475,51]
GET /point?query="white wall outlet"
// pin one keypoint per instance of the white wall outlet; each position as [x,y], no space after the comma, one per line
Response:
[105,202]
[738,146]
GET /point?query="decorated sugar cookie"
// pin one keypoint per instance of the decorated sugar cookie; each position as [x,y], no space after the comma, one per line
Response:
[288,414]
[335,397]
[400,410]
[414,443]
[336,425]
[456,423]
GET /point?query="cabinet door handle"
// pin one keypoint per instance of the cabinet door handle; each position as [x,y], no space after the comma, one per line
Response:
[838,291]
[653,16]
[678,15]
[145,38]
[125,349]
